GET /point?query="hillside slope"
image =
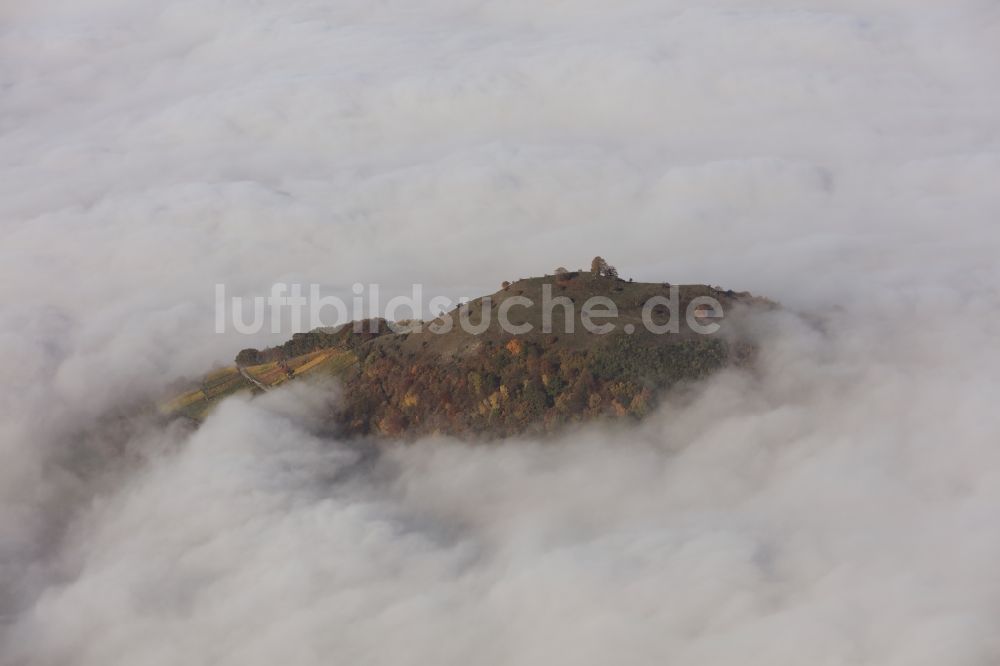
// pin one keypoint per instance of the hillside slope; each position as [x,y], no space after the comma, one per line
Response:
[483,379]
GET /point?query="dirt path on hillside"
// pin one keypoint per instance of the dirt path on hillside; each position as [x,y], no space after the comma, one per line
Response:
[253,380]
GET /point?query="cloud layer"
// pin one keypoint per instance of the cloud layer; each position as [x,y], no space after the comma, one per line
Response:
[835,506]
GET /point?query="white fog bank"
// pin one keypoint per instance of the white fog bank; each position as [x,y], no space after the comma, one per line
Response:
[835,506]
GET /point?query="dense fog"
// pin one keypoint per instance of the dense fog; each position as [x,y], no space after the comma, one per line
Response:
[835,505]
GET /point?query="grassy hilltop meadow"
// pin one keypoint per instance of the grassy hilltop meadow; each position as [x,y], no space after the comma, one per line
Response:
[417,380]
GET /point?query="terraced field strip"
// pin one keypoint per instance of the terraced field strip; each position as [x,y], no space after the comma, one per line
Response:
[317,358]
[334,362]
[216,386]
[182,401]
[223,382]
